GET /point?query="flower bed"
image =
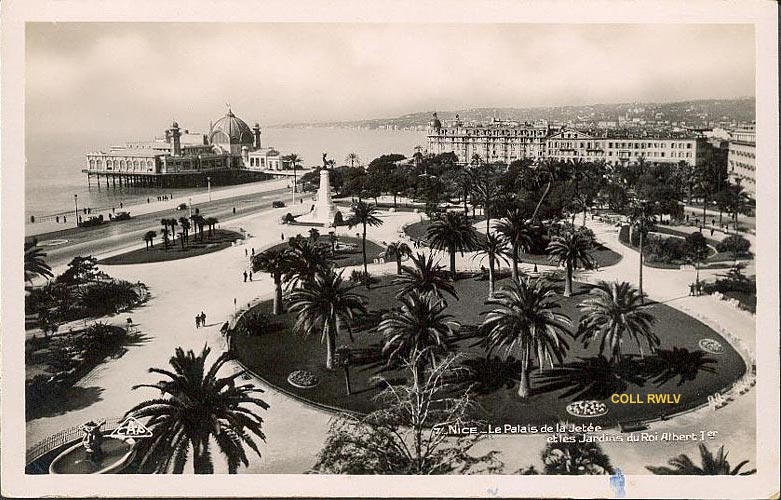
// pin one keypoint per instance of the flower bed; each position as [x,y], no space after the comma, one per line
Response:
[303,379]
[711,346]
[587,408]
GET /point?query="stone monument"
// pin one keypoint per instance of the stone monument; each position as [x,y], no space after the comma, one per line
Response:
[324,210]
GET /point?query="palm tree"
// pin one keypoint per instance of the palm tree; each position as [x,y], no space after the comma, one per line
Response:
[398,250]
[294,160]
[277,263]
[485,189]
[573,249]
[515,230]
[547,171]
[682,465]
[199,221]
[454,234]
[34,263]
[323,306]
[211,223]
[195,408]
[185,228]
[425,277]
[307,259]
[493,248]
[364,214]
[613,312]
[164,233]
[419,330]
[149,239]
[528,323]
[352,159]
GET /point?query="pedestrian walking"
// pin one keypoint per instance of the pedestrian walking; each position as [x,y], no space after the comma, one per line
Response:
[245,252]
[691,289]
[147,199]
[711,231]
[253,251]
[203,318]
[283,236]
[250,275]
[245,276]
[121,205]
[57,218]
[234,210]
[197,321]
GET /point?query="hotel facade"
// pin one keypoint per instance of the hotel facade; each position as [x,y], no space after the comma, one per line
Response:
[502,141]
[741,159]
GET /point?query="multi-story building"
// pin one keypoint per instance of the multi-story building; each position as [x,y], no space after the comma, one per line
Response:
[741,159]
[505,142]
[498,141]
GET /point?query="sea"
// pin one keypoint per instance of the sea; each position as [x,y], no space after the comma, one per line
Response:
[53,168]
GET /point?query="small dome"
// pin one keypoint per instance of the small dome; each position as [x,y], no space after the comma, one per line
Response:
[230,129]
[435,123]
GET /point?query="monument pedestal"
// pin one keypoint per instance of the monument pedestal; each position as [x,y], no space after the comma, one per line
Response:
[324,211]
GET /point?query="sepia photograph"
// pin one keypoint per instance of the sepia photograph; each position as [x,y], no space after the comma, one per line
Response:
[337,247]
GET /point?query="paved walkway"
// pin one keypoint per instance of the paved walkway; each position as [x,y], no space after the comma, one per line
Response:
[210,283]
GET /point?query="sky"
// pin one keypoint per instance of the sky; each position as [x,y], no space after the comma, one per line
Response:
[135,77]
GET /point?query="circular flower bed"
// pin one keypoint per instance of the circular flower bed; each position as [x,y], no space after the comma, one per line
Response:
[587,408]
[303,379]
[711,346]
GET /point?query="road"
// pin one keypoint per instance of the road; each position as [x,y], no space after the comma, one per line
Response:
[120,234]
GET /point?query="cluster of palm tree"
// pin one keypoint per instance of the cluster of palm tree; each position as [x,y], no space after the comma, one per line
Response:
[169,225]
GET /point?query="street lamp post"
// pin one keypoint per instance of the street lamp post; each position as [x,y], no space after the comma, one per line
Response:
[76,209]
[209,187]
[190,205]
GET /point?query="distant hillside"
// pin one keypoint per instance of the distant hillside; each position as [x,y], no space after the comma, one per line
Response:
[691,113]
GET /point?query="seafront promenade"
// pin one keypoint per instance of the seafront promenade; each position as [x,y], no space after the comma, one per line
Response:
[210,283]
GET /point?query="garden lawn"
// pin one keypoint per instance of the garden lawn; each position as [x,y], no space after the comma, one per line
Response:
[689,372]
[220,240]
[345,258]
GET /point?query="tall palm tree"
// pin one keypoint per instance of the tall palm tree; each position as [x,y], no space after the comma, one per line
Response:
[546,172]
[149,239]
[352,159]
[364,214]
[34,263]
[485,189]
[196,407]
[164,232]
[528,323]
[323,306]
[419,330]
[397,250]
[515,229]
[277,263]
[711,466]
[198,221]
[453,233]
[613,312]
[424,276]
[493,248]
[185,224]
[294,161]
[211,223]
[573,249]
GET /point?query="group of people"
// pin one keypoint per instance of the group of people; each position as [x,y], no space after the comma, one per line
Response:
[695,288]
[200,320]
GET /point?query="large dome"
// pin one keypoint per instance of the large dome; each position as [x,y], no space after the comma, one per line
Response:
[230,130]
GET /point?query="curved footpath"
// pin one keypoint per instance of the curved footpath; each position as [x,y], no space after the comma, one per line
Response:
[181,289]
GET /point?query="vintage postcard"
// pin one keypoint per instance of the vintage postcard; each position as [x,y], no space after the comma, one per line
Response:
[277,249]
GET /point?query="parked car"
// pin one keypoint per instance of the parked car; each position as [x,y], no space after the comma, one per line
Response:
[182,206]
[278,204]
[122,216]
